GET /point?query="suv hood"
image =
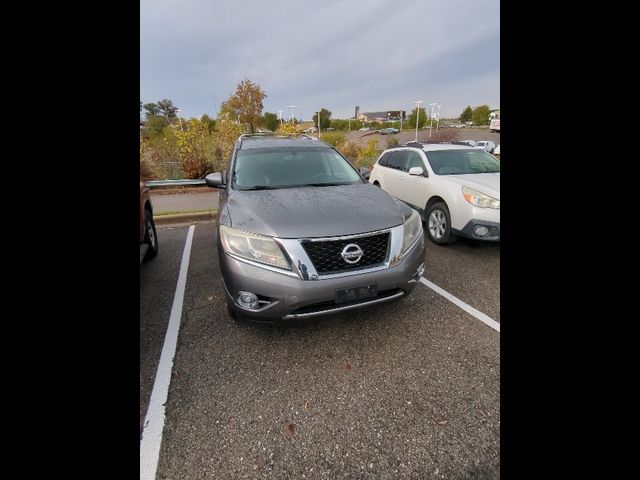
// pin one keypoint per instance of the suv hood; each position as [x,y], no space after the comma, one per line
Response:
[313,211]
[487,183]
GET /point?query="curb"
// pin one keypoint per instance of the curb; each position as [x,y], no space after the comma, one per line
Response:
[208,216]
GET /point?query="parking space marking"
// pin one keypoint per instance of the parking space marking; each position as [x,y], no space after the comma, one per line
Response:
[154,421]
[467,308]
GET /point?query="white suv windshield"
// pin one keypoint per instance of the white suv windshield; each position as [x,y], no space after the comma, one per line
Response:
[460,162]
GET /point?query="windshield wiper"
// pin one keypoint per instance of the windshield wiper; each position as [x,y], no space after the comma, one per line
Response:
[260,187]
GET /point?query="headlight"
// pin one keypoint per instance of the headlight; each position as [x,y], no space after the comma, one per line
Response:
[412,230]
[253,247]
[479,199]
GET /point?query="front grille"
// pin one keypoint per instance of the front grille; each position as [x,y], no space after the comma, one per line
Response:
[326,255]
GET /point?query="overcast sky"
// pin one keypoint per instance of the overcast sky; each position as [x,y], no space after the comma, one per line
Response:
[335,54]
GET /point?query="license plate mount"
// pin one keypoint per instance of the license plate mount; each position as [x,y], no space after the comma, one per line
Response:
[354,294]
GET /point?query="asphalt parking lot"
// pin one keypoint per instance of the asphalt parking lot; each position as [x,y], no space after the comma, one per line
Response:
[409,389]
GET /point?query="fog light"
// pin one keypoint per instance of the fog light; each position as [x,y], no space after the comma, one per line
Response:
[420,271]
[481,231]
[247,300]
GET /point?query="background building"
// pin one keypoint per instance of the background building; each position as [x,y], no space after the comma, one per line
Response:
[384,116]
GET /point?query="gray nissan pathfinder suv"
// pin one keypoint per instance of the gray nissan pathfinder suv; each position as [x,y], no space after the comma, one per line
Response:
[301,233]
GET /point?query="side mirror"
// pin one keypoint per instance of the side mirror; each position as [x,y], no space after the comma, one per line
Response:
[365,172]
[214,180]
[417,171]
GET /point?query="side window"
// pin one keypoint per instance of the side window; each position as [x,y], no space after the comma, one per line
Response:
[414,160]
[384,160]
[399,160]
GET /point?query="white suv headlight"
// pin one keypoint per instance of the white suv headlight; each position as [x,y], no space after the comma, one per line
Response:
[412,230]
[258,248]
[479,199]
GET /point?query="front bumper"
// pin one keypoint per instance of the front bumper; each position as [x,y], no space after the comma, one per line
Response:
[285,297]
[470,228]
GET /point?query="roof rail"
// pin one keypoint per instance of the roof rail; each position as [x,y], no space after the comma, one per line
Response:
[244,136]
[412,144]
[256,134]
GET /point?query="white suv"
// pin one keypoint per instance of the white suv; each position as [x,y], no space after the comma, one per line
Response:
[455,187]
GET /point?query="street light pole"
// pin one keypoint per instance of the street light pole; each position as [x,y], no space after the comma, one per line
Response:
[437,116]
[318,124]
[417,102]
[431,106]
[292,108]
[401,119]
[280,113]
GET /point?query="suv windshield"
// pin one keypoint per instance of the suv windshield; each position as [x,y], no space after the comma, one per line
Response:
[272,168]
[460,162]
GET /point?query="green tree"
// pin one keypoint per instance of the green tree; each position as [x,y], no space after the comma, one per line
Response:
[466,114]
[481,115]
[151,109]
[246,103]
[325,119]
[167,108]
[411,120]
[154,125]
[270,121]
[210,122]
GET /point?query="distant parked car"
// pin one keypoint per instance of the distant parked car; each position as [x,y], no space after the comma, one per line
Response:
[486,145]
[471,143]
[388,131]
[456,188]
[330,129]
[496,151]
[148,236]
[364,129]
[310,130]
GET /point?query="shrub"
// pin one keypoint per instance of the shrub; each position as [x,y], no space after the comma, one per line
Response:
[196,149]
[286,129]
[350,150]
[393,142]
[332,138]
[447,135]
[368,154]
[146,172]
[224,138]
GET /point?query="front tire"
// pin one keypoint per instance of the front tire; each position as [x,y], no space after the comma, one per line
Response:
[150,235]
[439,224]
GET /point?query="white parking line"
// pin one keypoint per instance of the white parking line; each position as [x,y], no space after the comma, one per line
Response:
[467,308]
[154,421]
